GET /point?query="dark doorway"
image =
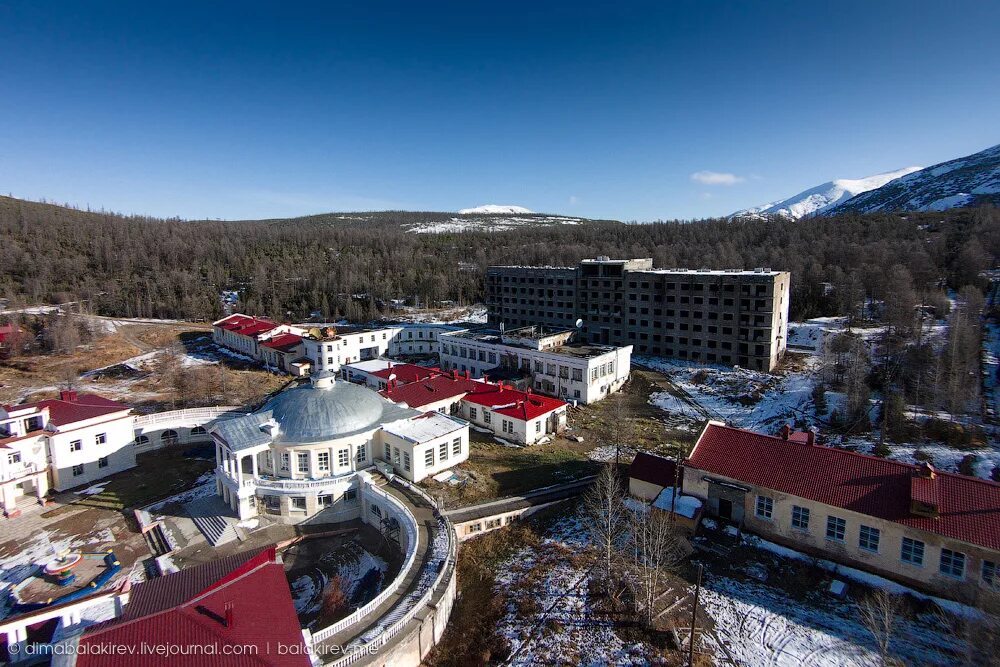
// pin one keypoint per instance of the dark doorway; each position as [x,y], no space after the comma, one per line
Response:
[725,509]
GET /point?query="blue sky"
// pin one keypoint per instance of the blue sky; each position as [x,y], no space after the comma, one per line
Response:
[270,109]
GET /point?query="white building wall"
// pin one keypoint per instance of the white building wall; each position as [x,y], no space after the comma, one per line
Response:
[417,452]
[118,450]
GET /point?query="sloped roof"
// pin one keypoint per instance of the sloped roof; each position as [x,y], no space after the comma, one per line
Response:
[285,342]
[515,403]
[245,325]
[968,507]
[190,608]
[654,469]
[243,432]
[64,411]
[438,388]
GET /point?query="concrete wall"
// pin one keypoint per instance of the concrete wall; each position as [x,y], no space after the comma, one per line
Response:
[645,490]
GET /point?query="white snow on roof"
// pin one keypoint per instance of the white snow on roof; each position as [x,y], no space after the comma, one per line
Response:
[686,506]
[371,365]
[426,427]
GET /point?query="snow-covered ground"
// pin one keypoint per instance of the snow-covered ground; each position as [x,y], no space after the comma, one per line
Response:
[496,208]
[490,223]
[549,617]
[454,315]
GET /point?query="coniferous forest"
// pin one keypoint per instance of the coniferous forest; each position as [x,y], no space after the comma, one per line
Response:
[354,265]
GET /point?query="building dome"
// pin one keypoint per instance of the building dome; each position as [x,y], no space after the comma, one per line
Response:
[328,410]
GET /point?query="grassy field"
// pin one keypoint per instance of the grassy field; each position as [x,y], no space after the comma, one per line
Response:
[495,470]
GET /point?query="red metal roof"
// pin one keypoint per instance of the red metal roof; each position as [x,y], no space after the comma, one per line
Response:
[286,342]
[515,403]
[406,373]
[968,507]
[424,392]
[245,325]
[72,407]
[654,469]
[189,609]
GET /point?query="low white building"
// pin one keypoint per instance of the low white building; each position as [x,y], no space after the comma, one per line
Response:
[329,348]
[552,363]
[419,339]
[62,443]
[429,444]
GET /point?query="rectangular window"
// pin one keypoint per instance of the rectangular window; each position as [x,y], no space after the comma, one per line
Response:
[493,523]
[836,528]
[429,457]
[362,453]
[912,551]
[77,470]
[344,457]
[538,426]
[298,502]
[990,577]
[76,445]
[952,563]
[472,414]
[101,438]
[406,460]
[303,462]
[800,517]
[14,458]
[324,500]
[868,538]
[350,494]
[102,462]
[284,460]
[388,453]
[578,375]
[456,446]
[487,416]
[395,455]
[323,462]
[443,451]
[765,507]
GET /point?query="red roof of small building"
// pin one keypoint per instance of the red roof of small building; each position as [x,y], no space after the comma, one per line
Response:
[242,600]
[286,342]
[438,388]
[968,508]
[654,469]
[245,325]
[406,373]
[71,407]
[515,403]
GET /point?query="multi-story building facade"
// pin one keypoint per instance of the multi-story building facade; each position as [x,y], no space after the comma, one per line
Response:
[934,530]
[553,363]
[62,443]
[732,317]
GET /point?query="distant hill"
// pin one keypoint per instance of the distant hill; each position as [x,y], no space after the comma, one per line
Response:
[954,184]
[495,208]
[431,222]
[822,197]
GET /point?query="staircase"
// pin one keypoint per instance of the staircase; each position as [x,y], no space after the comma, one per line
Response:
[214,519]
[156,541]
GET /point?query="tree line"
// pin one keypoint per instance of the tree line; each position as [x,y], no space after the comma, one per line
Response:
[357,265]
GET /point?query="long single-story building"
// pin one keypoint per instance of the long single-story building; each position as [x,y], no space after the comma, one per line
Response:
[933,530]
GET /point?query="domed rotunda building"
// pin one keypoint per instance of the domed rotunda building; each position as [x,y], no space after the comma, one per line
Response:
[298,456]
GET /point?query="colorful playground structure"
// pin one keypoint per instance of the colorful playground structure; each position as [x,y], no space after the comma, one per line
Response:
[60,570]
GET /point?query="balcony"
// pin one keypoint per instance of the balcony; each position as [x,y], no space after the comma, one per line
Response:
[247,483]
[19,470]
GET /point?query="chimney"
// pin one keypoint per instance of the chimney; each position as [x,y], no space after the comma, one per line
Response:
[500,387]
[230,621]
[486,378]
[528,391]
[454,373]
[926,470]
[468,375]
[67,395]
[810,437]
[785,431]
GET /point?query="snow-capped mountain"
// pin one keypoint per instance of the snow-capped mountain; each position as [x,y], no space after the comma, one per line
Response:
[822,197]
[495,209]
[951,184]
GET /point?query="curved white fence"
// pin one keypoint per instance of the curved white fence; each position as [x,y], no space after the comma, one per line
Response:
[407,519]
[426,583]
[188,416]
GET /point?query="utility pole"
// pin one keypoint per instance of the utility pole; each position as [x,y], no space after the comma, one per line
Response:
[694,617]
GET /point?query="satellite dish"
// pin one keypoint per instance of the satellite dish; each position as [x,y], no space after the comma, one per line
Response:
[579,324]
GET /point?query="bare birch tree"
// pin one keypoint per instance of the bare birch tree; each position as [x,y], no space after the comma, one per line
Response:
[880,611]
[657,548]
[606,516]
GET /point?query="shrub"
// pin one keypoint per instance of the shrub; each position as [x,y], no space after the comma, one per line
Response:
[968,465]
